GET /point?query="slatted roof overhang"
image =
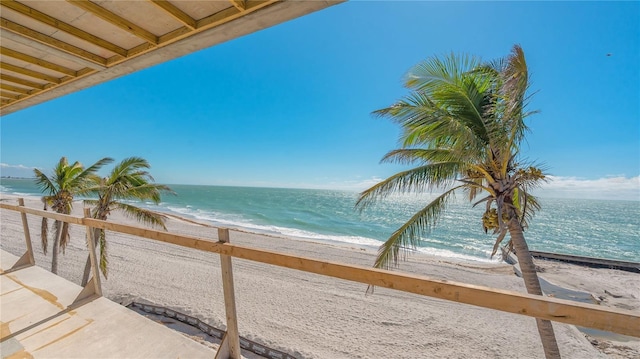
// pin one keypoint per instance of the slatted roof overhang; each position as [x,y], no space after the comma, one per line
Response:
[51,48]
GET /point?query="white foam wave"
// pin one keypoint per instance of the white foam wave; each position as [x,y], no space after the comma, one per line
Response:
[237,222]
[246,225]
[449,254]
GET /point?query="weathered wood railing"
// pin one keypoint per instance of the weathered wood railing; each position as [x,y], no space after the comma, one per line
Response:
[559,310]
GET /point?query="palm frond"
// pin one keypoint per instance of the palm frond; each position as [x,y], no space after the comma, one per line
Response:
[408,235]
[83,178]
[433,73]
[419,179]
[146,191]
[142,215]
[104,260]
[529,205]
[515,84]
[64,236]
[44,234]
[496,245]
[44,183]
[440,121]
[420,155]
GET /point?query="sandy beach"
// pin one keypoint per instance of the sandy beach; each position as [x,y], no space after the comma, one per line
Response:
[311,316]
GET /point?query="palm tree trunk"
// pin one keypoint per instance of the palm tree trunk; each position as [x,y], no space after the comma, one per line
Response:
[87,266]
[56,248]
[532,284]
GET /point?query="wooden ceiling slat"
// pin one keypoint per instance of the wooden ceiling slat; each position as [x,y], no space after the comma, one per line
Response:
[14,89]
[36,61]
[30,73]
[49,49]
[62,26]
[19,81]
[142,48]
[232,13]
[176,13]
[218,17]
[116,20]
[174,34]
[40,88]
[9,95]
[239,4]
[50,41]
[85,71]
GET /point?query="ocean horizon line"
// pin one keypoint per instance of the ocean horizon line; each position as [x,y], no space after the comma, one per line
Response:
[540,193]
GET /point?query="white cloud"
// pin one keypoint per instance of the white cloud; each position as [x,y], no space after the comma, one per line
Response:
[612,187]
[616,187]
[354,185]
[5,165]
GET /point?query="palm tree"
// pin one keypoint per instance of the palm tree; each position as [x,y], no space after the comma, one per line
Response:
[65,182]
[462,125]
[128,180]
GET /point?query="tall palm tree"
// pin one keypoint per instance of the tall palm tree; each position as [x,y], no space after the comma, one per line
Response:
[65,182]
[128,180]
[462,125]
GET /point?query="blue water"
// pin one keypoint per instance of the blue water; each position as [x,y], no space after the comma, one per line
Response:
[594,228]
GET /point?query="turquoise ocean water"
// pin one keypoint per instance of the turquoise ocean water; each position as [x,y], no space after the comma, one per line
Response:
[595,228]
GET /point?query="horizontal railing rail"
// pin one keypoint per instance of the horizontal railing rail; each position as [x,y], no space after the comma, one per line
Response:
[559,310]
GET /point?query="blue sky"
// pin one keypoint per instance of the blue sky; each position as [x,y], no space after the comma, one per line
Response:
[290,106]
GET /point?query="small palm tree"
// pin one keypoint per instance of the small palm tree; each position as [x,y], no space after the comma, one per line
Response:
[65,182]
[462,125]
[128,180]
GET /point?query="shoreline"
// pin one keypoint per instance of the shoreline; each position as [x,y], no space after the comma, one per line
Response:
[311,316]
[459,239]
[373,246]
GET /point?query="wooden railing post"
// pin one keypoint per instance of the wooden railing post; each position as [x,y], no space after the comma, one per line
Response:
[94,285]
[27,259]
[230,346]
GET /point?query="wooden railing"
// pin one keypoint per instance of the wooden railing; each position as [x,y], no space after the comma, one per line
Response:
[559,310]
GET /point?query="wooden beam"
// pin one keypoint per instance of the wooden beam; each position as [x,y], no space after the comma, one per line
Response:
[178,14]
[239,4]
[27,259]
[9,95]
[116,20]
[179,32]
[23,82]
[232,13]
[232,337]
[62,26]
[30,73]
[15,89]
[140,49]
[50,41]
[587,315]
[203,24]
[49,214]
[93,257]
[27,236]
[36,61]
[219,17]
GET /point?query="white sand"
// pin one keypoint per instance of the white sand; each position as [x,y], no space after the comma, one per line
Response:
[313,316]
